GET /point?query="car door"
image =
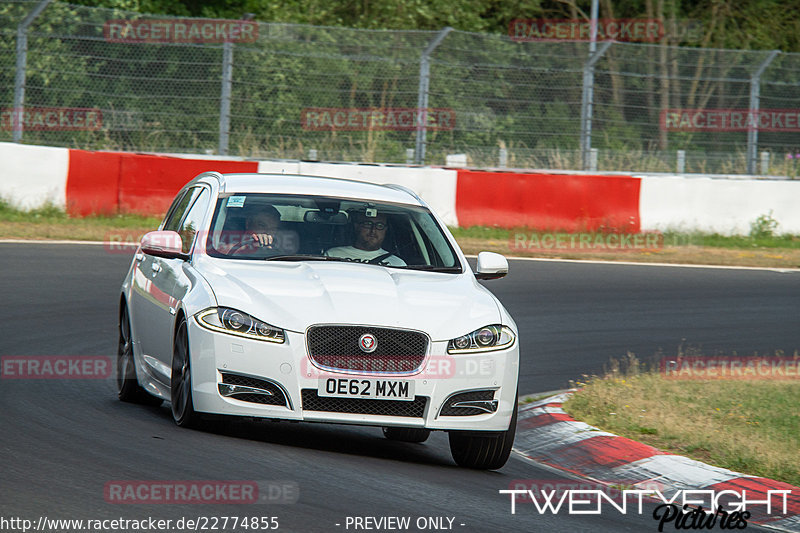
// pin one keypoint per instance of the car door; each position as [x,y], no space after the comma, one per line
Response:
[151,299]
[175,281]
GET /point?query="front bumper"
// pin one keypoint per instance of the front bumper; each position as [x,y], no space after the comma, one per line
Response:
[215,357]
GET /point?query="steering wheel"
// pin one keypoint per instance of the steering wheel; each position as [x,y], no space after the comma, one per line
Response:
[248,241]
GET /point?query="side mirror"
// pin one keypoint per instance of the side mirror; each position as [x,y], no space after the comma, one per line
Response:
[491,266]
[166,244]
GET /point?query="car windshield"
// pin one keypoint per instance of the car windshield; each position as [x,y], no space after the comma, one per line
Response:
[318,228]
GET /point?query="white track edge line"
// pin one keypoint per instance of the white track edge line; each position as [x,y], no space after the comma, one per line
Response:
[634,263]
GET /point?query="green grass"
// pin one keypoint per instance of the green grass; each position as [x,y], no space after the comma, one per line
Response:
[45,213]
[50,214]
[750,426]
[738,242]
[21,222]
[53,223]
[743,242]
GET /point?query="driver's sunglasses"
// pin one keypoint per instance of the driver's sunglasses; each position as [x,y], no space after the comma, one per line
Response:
[368,224]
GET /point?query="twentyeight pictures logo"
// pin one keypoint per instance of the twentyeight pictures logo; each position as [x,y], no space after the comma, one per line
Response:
[681,509]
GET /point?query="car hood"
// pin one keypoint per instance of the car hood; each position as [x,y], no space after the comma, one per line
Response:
[295,295]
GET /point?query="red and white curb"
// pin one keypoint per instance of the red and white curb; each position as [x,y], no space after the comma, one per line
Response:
[547,435]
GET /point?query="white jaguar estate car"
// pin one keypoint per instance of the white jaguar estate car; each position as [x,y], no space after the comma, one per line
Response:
[324,300]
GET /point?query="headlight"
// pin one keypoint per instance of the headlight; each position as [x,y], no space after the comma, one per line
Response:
[485,339]
[237,323]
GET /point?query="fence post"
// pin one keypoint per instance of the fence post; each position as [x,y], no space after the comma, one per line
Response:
[225,98]
[422,95]
[22,61]
[681,161]
[586,102]
[593,159]
[752,129]
[764,163]
[503,158]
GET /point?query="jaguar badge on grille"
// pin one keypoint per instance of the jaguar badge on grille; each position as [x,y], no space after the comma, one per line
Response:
[367,343]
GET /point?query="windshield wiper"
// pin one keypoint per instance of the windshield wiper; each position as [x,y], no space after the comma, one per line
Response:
[303,257]
[432,268]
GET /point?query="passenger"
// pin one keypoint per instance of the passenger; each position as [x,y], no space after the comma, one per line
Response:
[369,234]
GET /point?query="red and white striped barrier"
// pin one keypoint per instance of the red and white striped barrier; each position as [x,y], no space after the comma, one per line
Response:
[34,176]
[571,202]
[86,182]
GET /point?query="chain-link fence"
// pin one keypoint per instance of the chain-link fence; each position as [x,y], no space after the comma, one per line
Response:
[108,79]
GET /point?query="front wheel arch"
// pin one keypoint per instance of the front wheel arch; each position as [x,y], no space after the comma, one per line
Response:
[484,452]
[128,388]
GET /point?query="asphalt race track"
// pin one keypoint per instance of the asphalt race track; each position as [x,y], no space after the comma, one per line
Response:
[573,317]
[62,441]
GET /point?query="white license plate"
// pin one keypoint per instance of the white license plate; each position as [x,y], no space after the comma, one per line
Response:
[376,389]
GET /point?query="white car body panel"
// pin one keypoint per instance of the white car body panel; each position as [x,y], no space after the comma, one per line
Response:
[295,295]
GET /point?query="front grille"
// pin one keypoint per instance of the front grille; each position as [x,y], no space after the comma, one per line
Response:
[277,398]
[412,409]
[398,351]
[447,410]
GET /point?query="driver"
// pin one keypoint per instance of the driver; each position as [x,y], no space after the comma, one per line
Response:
[370,233]
[260,226]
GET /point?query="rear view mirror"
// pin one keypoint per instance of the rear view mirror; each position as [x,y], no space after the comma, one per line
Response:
[319,217]
[491,266]
[166,244]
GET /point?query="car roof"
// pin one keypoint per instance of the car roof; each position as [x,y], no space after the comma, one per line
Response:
[315,185]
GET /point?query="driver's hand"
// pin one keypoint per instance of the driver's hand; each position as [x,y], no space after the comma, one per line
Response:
[263,239]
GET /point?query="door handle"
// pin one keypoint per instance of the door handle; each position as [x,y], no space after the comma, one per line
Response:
[156,268]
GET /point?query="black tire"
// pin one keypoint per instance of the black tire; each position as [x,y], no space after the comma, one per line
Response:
[128,389]
[181,381]
[484,453]
[406,434]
